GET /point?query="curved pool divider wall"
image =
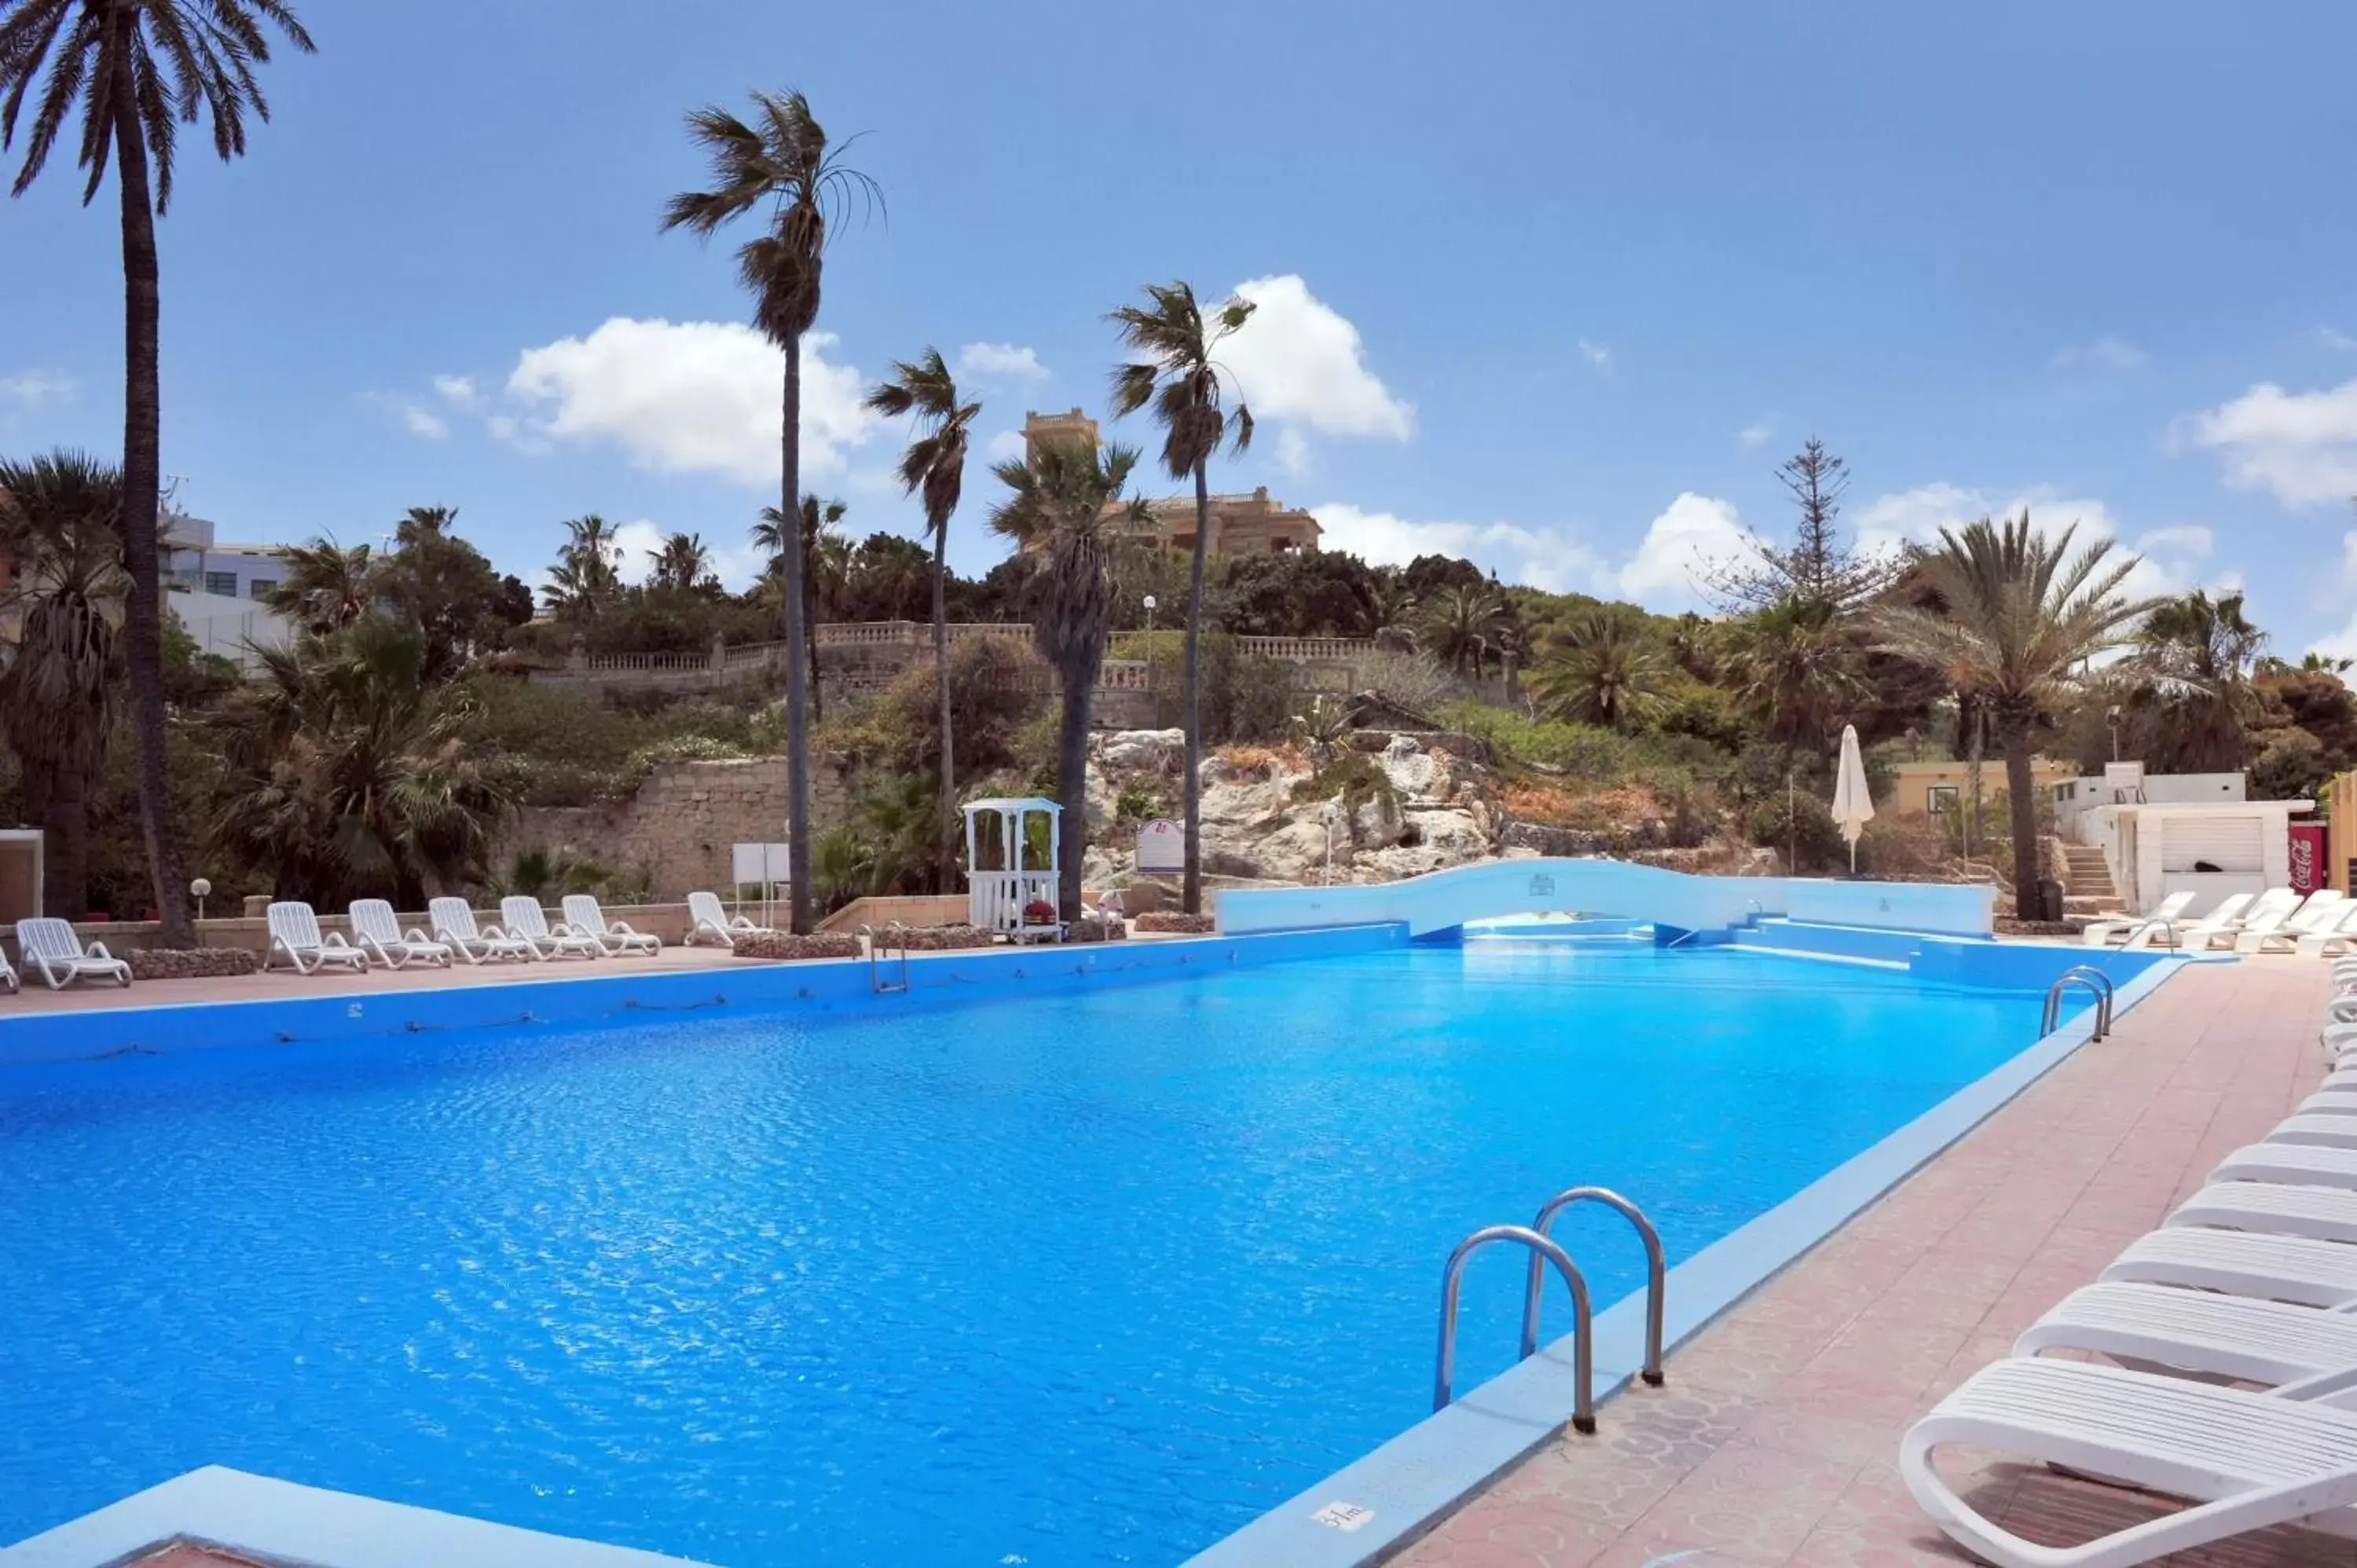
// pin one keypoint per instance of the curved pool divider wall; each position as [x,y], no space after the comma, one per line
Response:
[1442,901]
[284,1522]
[1379,1504]
[746,986]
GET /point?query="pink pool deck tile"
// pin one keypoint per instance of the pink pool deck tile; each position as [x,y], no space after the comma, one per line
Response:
[1776,1439]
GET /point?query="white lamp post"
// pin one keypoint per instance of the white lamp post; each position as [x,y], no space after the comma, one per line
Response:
[1150,692]
[202,889]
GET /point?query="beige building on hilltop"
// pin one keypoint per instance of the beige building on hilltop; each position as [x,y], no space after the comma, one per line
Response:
[1256,524]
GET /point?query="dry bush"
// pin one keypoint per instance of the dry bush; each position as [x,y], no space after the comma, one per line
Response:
[1262,762]
[785,945]
[1176,920]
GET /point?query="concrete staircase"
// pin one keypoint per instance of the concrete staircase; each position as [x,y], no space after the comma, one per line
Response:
[2086,881]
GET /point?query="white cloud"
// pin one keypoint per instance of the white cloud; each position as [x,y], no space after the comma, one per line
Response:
[1595,354]
[2170,559]
[1300,358]
[1004,361]
[34,389]
[423,422]
[1751,437]
[1293,451]
[1542,558]
[637,540]
[1683,545]
[2302,446]
[460,392]
[1006,446]
[2334,338]
[689,397]
[2105,353]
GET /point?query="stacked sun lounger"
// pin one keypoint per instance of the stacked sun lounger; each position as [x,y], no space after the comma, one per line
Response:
[2230,1338]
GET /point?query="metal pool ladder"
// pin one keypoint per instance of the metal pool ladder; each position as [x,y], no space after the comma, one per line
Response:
[1656,1275]
[877,942]
[2095,981]
[1444,1375]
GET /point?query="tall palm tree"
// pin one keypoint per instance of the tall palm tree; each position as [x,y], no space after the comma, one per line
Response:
[2193,660]
[61,525]
[1178,373]
[1462,624]
[1602,672]
[780,163]
[682,563]
[934,468]
[135,68]
[1795,666]
[325,588]
[1063,508]
[588,570]
[825,555]
[2022,612]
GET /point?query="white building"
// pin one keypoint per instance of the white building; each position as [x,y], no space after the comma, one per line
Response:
[2173,833]
[197,562]
[230,627]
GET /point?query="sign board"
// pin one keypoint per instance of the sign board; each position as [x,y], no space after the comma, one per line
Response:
[763,863]
[2310,863]
[1161,847]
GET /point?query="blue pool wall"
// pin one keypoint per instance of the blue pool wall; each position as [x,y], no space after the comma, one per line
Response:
[614,992]
[1445,900]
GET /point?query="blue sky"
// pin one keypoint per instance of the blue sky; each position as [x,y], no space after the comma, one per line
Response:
[1553,287]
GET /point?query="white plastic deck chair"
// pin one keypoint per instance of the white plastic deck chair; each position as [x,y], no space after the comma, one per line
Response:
[294,935]
[2263,918]
[2197,1332]
[2288,1165]
[2271,1208]
[2324,1129]
[2244,1460]
[454,924]
[2335,933]
[376,931]
[613,938]
[528,922]
[2197,935]
[2267,1266]
[2141,931]
[52,952]
[2322,909]
[8,976]
[707,920]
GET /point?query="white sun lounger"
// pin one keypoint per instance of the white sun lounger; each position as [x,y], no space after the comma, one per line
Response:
[2289,1165]
[2198,934]
[528,922]
[707,920]
[376,931]
[2261,924]
[294,935]
[2264,1265]
[2245,1460]
[2323,1129]
[9,975]
[2335,933]
[582,913]
[52,952]
[2281,1208]
[454,923]
[2197,1331]
[2321,915]
[2141,931]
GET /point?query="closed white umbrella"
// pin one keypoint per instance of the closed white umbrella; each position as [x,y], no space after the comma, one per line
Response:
[1852,803]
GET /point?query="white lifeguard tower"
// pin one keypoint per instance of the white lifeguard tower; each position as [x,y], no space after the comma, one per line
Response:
[1012,860]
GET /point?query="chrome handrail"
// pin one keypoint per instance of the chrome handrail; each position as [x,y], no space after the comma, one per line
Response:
[876,941]
[1656,1271]
[2097,982]
[1444,1375]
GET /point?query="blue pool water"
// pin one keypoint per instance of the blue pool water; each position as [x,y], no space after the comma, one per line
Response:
[1074,1277]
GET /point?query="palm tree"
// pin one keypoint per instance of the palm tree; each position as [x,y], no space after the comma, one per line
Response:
[2193,659]
[1177,374]
[824,554]
[1462,624]
[780,163]
[325,588]
[347,774]
[588,570]
[1603,671]
[934,468]
[135,69]
[61,525]
[1794,665]
[2022,612]
[682,563]
[1062,507]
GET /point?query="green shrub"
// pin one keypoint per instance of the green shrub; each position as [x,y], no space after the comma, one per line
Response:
[1801,826]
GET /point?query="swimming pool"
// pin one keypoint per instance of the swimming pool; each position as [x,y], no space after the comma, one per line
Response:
[1070,1276]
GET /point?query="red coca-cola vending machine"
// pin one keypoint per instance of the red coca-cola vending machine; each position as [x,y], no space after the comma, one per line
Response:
[2309,868]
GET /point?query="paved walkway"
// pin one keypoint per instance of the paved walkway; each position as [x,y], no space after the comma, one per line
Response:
[1777,1436]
